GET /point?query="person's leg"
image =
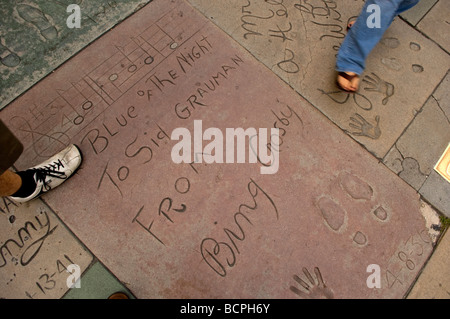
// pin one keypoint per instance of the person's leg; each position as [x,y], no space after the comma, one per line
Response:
[23,186]
[361,40]
[10,183]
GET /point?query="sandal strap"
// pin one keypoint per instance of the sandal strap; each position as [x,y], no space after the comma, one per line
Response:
[348,77]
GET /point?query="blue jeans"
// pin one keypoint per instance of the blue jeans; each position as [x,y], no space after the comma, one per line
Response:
[361,39]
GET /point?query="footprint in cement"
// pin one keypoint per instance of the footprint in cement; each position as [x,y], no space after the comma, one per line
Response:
[381,214]
[7,57]
[415,46]
[395,64]
[417,68]
[333,214]
[355,187]
[335,217]
[38,19]
[392,63]
[392,43]
[360,238]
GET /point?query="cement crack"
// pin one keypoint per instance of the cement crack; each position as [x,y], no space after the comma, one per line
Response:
[440,108]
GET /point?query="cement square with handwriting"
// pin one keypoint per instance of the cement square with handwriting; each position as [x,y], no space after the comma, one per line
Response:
[299,41]
[36,252]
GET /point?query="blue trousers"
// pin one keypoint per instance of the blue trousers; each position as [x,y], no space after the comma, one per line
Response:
[361,38]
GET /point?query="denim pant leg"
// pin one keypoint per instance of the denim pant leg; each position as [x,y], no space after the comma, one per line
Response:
[406,5]
[361,39]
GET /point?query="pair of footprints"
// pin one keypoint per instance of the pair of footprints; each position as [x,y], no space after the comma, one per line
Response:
[334,214]
[37,18]
[393,63]
[335,217]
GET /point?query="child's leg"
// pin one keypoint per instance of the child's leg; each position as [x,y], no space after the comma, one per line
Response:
[361,39]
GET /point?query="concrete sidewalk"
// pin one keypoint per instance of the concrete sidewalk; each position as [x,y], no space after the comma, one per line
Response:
[355,185]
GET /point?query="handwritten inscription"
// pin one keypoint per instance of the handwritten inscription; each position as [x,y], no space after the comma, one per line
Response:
[168,208]
[142,152]
[406,258]
[26,245]
[50,280]
[271,21]
[185,60]
[79,102]
[220,255]
[35,251]
[184,110]
[5,204]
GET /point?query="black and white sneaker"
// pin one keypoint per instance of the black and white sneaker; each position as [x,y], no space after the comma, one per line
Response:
[50,173]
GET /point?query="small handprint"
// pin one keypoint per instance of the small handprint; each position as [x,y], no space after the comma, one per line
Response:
[364,127]
[315,289]
[378,85]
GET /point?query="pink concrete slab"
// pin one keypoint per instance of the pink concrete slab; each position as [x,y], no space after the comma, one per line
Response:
[214,230]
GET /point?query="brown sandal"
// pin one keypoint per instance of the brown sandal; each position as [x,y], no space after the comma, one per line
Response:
[351,22]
